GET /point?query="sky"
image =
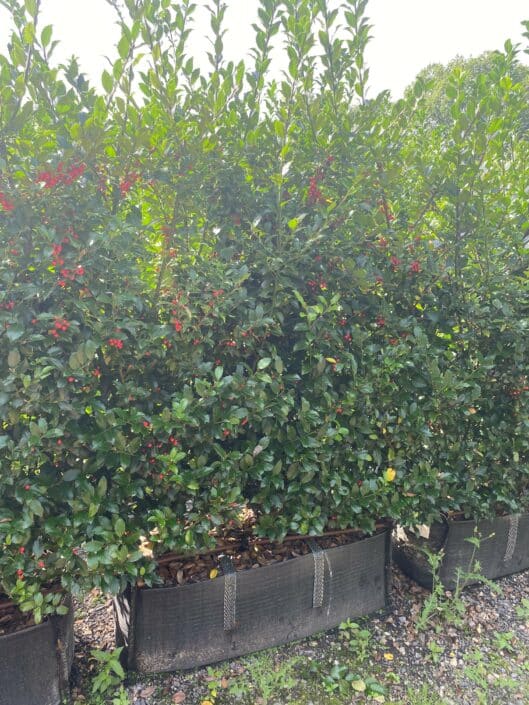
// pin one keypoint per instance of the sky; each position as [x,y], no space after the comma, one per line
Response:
[407,34]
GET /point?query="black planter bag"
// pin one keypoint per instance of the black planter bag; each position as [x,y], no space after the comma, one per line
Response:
[503,550]
[35,663]
[170,628]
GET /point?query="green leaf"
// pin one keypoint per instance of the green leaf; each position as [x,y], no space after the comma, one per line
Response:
[107,81]
[263,363]
[358,685]
[123,47]
[13,358]
[71,475]
[31,7]
[28,33]
[46,34]
[14,332]
[36,507]
[119,526]
[118,669]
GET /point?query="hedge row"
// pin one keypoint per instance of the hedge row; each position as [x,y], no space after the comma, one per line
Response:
[241,288]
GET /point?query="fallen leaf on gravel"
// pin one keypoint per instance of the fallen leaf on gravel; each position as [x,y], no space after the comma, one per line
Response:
[213,573]
[179,697]
[148,691]
[224,683]
[388,657]
[206,702]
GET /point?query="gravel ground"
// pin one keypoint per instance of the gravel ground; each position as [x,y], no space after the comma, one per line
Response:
[483,661]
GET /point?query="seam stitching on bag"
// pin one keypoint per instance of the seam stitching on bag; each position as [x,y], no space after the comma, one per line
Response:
[318,555]
[230,593]
[512,538]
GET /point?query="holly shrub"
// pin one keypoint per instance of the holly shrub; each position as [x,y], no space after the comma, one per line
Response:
[250,288]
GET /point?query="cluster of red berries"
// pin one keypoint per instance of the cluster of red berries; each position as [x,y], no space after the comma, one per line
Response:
[315,284]
[51,179]
[315,196]
[395,263]
[60,325]
[58,261]
[127,183]
[115,343]
[8,306]
[385,209]
[6,204]
[71,274]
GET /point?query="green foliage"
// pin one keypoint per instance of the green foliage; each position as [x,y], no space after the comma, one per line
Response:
[442,607]
[109,677]
[344,682]
[357,639]
[226,290]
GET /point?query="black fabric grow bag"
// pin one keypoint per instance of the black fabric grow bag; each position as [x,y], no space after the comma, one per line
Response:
[35,663]
[169,628]
[503,550]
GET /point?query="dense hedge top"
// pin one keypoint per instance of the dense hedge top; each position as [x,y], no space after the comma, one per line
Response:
[232,291]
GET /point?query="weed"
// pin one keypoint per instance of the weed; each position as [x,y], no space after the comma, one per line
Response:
[522,611]
[503,641]
[435,651]
[423,696]
[345,682]
[357,638]
[109,677]
[449,607]
[121,697]
[264,678]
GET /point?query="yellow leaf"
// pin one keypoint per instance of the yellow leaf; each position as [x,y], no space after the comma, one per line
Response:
[359,685]
[390,474]
[331,360]
[213,573]
[388,657]
[206,702]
